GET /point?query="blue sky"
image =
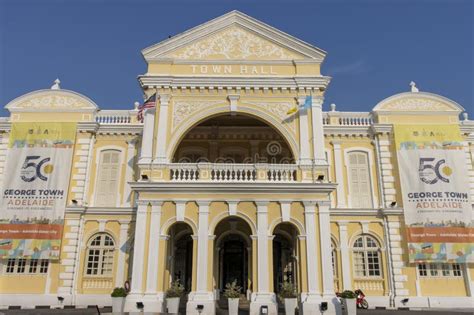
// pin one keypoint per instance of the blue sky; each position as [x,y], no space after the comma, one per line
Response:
[375,48]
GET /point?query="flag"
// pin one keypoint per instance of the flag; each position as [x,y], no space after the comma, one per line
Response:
[308,102]
[292,110]
[149,103]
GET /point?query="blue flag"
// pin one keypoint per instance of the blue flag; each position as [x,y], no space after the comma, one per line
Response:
[308,102]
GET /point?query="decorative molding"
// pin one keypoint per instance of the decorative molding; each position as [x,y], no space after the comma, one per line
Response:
[185,109]
[233,43]
[418,102]
[278,110]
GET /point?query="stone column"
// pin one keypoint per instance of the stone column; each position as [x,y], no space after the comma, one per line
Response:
[162,135]
[345,260]
[311,249]
[120,272]
[147,136]
[338,166]
[136,291]
[318,131]
[153,300]
[325,237]
[263,296]
[305,158]
[203,295]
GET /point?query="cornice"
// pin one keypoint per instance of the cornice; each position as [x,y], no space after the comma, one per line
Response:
[382,128]
[134,129]
[100,210]
[87,127]
[346,130]
[5,126]
[225,188]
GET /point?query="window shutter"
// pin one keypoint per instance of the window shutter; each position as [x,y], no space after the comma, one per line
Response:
[108,177]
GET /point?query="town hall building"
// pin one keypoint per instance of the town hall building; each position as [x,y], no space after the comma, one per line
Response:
[239,171]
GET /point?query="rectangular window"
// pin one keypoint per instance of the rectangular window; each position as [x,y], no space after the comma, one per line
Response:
[21,266]
[359,264]
[10,266]
[433,270]
[33,266]
[44,266]
[445,270]
[457,270]
[422,270]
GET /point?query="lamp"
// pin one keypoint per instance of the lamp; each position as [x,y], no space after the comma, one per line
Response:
[199,308]
[320,178]
[393,204]
[144,177]
[74,202]
[140,305]
[405,301]
[324,306]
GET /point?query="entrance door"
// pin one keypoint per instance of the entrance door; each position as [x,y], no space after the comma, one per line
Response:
[234,267]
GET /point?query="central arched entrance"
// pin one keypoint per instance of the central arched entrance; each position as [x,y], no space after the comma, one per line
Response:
[233,255]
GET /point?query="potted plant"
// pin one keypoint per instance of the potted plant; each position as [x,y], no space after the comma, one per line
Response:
[118,299]
[288,295]
[173,295]
[232,293]
[349,301]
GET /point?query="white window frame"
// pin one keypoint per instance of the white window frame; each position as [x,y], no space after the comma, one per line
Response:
[437,270]
[102,248]
[364,250]
[98,159]
[27,267]
[370,160]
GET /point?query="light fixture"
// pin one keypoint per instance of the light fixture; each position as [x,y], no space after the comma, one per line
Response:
[60,299]
[320,178]
[144,177]
[200,308]
[140,305]
[74,202]
[393,204]
[405,301]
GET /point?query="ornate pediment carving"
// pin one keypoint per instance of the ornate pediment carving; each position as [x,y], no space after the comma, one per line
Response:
[417,102]
[234,43]
[52,100]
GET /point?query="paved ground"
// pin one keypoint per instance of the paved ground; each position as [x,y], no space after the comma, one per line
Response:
[107,311]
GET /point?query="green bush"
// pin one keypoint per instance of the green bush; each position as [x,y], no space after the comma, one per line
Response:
[175,290]
[348,295]
[287,291]
[232,290]
[119,292]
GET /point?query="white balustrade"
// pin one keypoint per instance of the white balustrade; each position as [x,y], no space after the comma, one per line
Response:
[235,173]
[348,118]
[118,117]
[97,283]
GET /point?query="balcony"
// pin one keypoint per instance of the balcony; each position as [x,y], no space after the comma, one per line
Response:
[233,173]
[347,118]
[117,117]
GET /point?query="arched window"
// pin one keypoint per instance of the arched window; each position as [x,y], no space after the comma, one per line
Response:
[108,178]
[100,255]
[366,257]
[359,180]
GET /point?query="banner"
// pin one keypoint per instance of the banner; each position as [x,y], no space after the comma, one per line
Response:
[34,192]
[435,189]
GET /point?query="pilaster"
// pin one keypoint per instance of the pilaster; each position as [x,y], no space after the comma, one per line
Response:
[345,259]
[147,136]
[338,166]
[305,158]
[120,272]
[325,237]
[162,134]
[129,163]
[318,132]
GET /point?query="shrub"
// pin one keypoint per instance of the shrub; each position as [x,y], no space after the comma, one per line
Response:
[119,292]
[175,290]
[232,290]
[348,295]
[287,291]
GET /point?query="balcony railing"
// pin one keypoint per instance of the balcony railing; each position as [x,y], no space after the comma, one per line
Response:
[97,283]
[118,117]
[223,172]
[348,118]
[369,284]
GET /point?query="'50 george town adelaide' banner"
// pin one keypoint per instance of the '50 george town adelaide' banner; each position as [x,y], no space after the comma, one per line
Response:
[436,198]
[34,192]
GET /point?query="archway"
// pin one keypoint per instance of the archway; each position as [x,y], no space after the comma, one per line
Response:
[239,138]
[180,254]
[285,256]
[233,255]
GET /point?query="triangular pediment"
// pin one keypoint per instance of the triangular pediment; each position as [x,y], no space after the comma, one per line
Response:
[233,36]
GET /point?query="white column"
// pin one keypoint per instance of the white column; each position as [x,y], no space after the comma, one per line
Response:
[262,246]
[325,237]
[311,248]
[127,192]
[153,247]
[139,248]
[203,241]
[147,136]
[338,166]
[160,153]
[305,158]
[120,272]
[318,131]
[345,260]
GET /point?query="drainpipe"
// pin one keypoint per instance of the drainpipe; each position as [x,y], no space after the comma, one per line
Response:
[391,278]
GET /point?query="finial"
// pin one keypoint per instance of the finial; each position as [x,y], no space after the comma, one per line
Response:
[414,89]
[56,86]
[465,116]
[136,104]
[333,107]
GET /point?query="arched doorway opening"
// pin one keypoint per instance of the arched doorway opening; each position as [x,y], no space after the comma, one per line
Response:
[180,255]
[233,255]
[285,256]
[239,138]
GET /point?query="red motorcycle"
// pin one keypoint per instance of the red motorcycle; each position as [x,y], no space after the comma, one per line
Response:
[361,302]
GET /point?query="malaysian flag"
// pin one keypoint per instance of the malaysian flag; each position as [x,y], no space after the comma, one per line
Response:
[149,103]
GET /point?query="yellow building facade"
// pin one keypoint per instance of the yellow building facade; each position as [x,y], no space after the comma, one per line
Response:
[219,183]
